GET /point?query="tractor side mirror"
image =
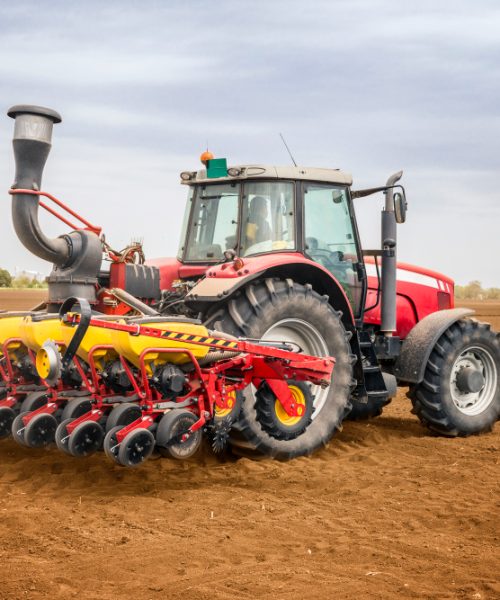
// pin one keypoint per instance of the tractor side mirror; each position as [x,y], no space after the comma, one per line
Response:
[400,206]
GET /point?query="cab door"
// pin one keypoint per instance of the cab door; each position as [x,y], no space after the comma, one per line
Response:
[330,237]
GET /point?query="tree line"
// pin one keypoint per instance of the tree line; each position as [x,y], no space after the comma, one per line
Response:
[475,291]
[7,281]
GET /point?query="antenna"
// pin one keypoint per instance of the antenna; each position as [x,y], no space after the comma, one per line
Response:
[286,146]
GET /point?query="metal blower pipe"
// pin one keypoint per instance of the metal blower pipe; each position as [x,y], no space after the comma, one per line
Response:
[389,260]
[32,142]
[76,256]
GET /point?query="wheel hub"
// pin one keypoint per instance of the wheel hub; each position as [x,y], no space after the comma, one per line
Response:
[310,340]
[473,381]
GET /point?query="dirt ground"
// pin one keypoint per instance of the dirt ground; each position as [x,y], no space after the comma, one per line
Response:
[385,511]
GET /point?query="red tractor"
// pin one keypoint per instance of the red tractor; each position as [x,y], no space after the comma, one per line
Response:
[272,255]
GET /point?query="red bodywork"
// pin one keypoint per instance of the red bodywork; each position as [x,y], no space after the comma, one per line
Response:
[420,291]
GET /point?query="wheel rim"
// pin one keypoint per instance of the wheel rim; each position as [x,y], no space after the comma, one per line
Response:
[221,413]
[311,341]
[474,403]
[300,401]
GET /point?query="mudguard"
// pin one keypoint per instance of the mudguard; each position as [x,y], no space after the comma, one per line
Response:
[418,345]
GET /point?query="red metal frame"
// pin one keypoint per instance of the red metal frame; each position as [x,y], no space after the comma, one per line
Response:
[211,386]
[87,225]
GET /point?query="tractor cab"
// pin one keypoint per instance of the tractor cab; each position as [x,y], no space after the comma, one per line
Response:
[258,210]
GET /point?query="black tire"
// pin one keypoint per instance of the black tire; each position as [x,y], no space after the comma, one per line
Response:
[136,447]
[62,436]
[33,401]
[122,415]
[110,444]
[252,312]
[18,429]
[40,431]
[438,400]
[7,416]
[76,407]
[86,439]
[172,425]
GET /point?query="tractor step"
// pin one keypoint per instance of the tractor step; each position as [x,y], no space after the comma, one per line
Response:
[373,379]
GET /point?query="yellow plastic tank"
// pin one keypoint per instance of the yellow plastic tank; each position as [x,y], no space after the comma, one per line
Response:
[10,323]
[132,346]
[35,330]
[94,336]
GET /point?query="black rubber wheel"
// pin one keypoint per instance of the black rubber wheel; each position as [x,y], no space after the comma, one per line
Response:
[111,445]
[273,417]
[33,401]
[170,429]
[76,407]
[40,431]
[123,414]
[287,310]
[7,416]
[18,429]
[136,447]
[86,439]
[62,436]
[460,392]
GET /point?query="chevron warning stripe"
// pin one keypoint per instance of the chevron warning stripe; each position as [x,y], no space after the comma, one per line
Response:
[185,337]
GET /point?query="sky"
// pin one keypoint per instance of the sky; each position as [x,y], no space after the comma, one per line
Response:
[368,86]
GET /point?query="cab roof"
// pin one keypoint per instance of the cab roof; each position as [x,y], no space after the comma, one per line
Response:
[274,172]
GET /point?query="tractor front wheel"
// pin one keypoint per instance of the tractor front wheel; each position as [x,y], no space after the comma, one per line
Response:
[460,392]
[283,310]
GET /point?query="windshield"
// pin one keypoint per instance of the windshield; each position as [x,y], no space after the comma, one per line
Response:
[267,219]
[214,222]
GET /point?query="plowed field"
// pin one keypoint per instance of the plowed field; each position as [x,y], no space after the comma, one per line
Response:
[385,511]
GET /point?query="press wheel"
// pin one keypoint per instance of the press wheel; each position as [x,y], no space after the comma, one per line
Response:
[136,447]
[40,431]
[85,439]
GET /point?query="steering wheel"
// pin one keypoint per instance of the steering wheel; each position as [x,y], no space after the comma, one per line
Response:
[330,260]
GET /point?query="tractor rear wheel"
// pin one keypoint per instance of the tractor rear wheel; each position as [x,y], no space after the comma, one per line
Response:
[460,392]
[283,310]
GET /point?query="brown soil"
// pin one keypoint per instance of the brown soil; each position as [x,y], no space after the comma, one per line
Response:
[386,511]
[24,299]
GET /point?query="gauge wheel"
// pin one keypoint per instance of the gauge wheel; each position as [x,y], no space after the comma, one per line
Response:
[169,434]
[76,407]
[123,414]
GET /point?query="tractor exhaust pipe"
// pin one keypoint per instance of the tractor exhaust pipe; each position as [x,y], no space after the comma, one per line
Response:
[76,256]
[389,259]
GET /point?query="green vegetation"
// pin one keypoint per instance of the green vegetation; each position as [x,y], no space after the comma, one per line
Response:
[474,291]
[5,279]
[23,282]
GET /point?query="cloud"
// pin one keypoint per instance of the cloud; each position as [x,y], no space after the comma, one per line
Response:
[369,86]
